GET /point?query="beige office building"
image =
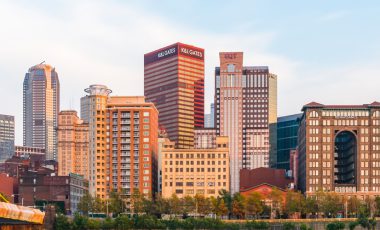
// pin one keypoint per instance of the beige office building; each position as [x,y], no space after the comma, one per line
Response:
[93,111]
[187,172]
[73,143]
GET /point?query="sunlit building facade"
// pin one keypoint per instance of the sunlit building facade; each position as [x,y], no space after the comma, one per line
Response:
[73,144]
[174,82]
[93,112]
[40,109]
[132,132]
[7,137]
[187,172]
[245,109]
[339,149]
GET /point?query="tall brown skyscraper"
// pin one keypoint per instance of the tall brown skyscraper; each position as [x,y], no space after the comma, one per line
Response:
[245,106]
[174,82]
[41,107]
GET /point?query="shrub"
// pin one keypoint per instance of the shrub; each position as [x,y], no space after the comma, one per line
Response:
[79,222]
[108,223]
[303,226]
[335,226]
[256,225]
[123,222]
[147,222]
[289,226]
[94,224]
[352,225]
[61,223]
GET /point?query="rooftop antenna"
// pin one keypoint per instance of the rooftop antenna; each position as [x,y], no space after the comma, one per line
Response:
[42,62]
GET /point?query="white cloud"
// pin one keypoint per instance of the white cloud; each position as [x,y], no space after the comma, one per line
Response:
[332,16]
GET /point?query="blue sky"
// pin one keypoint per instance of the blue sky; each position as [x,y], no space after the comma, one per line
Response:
[325,51]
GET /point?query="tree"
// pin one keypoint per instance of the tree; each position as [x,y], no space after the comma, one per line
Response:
[137,202]
[161,206]
[295,202]
[377,205]
[311,206]
[115,203]
[85,204]
[203,205]
[238,205]
[187,205]
[175,205]
[226,196]
[329,203]
[219,207]
[277,200]
[61,223]
[353,205]
[253,204]
[97,205]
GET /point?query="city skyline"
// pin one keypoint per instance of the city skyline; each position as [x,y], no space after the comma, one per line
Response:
[323,45]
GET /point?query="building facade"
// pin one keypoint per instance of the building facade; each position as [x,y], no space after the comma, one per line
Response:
[27,151]
[205,138]
[7,137]
[174,82]
[339,149]
[93,112]
[132,140]
[245,109]
[287,131]
[73,144]
[40,109]
[187,172]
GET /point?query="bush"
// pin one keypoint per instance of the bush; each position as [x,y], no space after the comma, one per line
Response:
[289,226]
[256,225]
[123,222]
[79,222]
[94,224]
[303,226]
[335,226]
[62,223]
[352,225]
[108,223]
[147,222]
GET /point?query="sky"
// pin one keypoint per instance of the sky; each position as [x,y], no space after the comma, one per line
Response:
[324,51]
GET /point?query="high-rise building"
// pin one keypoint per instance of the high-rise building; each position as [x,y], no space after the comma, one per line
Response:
[187,172]
[209,118]
[339,149]
[7,137]
[174,82]
[93,111]
[133,132]
[73,143]
[287,134]
[245,108]
[41,106]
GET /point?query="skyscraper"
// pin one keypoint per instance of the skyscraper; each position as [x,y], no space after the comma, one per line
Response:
[174,82]
[40,108]
[73,142]
[93,111]
[245,106]
[132,140]
[287,133]
[7,137]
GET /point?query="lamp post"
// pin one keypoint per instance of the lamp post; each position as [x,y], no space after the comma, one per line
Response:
[22,198]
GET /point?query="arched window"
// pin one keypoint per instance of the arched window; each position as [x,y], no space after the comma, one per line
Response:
[231,68]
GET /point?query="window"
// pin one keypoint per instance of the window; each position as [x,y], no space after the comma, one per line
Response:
[230,68]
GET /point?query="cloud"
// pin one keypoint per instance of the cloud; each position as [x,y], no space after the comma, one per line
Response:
[332,16]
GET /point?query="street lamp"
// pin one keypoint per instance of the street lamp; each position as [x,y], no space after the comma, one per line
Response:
[22,198]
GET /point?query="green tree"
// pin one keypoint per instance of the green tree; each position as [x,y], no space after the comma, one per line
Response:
[377,205]
[123,222]
[353,206]
[115,203]
[295,202]
[219,207]
[203,205]
[79,222]
[97,205]
[85,204]
[277,200]
[238,205]
[187,205]
[329,203]
[175,205]
[253,204]
[311,206]
[226,196]
[160,206]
